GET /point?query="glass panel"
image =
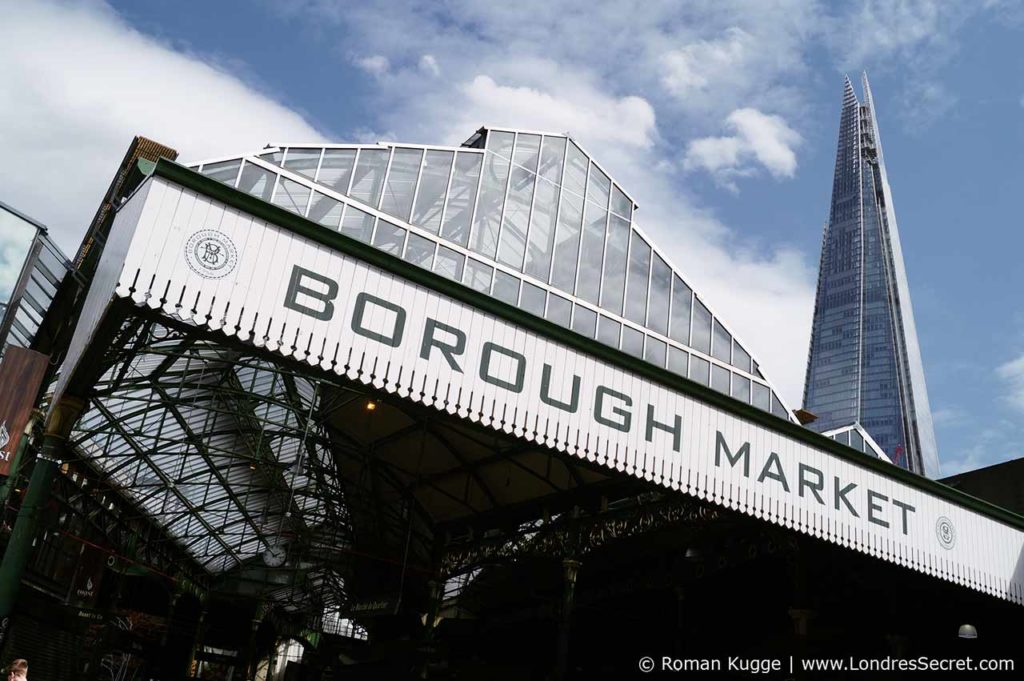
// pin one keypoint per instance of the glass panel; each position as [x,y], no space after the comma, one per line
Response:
[257,181]
[488,209]
[701,339]
[857,440]
[632,341]
[532,299]
[542,230]
[401,182]
[389,237]
[584,321]
[661,283]
[506,287]
[357,224]
[636,287]
[677,360]
[654,352]
[461,197]
[740,357]
[500,143]
[449,263]
[336,169]
[559,310]
[608,331]
[575,177]
[478,275]
[527,151]
[620,204]
[517,217]
[741,388]
[761,396]
[588,281]
[699,370]
[551,157]
[437,166]
[369,176]
[680,327]
[598,186]
[614,283]
[291,195]
[843,437]
[225,171]
[273,157]
[420,251]
[567,243]
[721,347]
[778,408]
[720,379]
[303,161]
[325,210]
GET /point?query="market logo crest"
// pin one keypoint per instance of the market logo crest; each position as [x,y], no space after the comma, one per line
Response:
[211,254]
[945,532]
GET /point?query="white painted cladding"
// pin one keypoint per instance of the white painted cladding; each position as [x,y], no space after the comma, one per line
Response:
[248,303]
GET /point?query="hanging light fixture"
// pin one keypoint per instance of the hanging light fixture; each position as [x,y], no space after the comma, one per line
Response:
[968,631]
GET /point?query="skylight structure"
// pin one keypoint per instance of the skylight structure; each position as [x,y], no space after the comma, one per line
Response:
[526,217]
[865,363]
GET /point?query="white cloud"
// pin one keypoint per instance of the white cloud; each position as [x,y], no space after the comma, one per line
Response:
[997,442]
[590,115]
[511,64]
[77,84]
[15,240]
[428,64]
[1012,373]
[634,98]
[949,417]
[970,461]
[756,137]
[695,68]
[918,30]
[376,65]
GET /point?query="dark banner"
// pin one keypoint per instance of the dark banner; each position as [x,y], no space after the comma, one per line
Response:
[21,373]
[85,585]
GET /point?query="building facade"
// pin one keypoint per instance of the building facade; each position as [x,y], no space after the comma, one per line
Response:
[864,366]
[350,408]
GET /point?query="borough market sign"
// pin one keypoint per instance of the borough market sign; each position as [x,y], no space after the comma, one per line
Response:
[197,251]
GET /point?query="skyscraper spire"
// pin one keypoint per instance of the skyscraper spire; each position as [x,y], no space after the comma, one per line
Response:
[865,363]
[848,93]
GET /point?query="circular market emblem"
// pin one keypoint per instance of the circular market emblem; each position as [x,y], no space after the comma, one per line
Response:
[945,532]
[210,254]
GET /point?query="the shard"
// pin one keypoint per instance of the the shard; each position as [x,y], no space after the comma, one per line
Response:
[865,364]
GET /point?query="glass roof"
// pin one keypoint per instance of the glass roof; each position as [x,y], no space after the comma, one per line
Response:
[218,448]
[857,437]
[31,270]
[526,217]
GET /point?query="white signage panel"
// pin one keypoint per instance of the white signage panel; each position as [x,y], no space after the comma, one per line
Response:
[199,260]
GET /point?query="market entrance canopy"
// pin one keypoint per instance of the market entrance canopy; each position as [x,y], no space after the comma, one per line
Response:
[192,249]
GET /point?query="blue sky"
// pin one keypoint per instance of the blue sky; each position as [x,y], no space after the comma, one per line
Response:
[719,117]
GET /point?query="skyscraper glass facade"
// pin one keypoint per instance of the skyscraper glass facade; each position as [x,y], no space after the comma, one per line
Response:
[865,363]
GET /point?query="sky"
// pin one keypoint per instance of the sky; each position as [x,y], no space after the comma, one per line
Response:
[719,117]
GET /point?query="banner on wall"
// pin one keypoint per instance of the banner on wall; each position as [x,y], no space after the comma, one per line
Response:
[21,375]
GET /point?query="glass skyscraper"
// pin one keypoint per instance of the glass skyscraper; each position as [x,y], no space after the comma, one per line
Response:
[864,367]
